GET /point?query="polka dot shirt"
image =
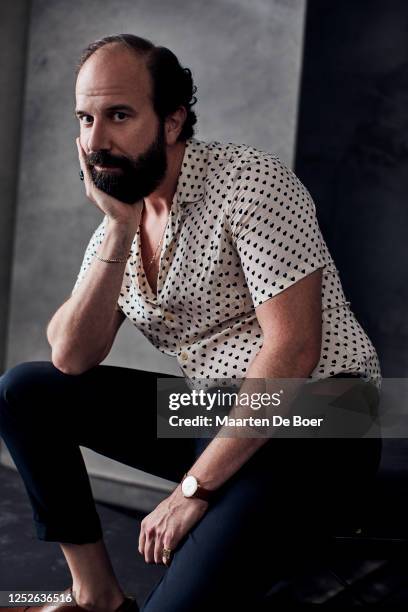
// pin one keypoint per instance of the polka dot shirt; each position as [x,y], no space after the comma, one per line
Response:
[241,229]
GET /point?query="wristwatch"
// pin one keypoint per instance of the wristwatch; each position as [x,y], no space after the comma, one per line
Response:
[190,487]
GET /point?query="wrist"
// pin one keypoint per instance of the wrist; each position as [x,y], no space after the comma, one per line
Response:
[117,242]
[181,498]
[121,229]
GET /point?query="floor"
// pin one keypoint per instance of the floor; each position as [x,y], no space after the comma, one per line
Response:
[29,564]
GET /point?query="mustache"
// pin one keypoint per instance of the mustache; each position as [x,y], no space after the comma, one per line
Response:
[104,158]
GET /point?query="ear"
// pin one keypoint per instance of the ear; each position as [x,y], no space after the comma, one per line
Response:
[174,124]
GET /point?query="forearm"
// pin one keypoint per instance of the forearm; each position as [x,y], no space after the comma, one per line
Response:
[225,455]
[80,329]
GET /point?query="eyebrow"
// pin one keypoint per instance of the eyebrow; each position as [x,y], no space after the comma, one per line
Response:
[115,107]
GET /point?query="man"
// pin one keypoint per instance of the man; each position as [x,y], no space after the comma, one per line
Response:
[195,241]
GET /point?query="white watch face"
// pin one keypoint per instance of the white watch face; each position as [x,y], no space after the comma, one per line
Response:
[189,486]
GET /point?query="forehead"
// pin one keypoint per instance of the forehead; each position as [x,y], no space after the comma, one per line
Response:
[112,73]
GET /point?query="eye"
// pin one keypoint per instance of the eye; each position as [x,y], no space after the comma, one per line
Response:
[83,117]
[121,116]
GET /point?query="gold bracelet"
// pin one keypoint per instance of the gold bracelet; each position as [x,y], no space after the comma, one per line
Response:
[113,260]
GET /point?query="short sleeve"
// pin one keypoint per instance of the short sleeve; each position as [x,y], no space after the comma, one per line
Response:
[274,227]
[95,241]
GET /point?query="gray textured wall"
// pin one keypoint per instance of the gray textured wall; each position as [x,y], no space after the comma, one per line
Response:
[13,39]
[245,58]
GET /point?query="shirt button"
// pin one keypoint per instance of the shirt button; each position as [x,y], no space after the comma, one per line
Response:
[184,356]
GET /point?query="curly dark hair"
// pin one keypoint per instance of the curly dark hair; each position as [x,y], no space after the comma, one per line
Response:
[172,84]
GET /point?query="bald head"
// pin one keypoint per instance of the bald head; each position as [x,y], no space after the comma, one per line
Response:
[114,72]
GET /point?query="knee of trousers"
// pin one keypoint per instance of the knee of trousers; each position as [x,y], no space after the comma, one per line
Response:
[19,389]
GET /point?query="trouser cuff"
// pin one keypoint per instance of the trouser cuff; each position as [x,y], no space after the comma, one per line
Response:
[79,534]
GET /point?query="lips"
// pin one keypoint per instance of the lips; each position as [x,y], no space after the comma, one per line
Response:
[107,168]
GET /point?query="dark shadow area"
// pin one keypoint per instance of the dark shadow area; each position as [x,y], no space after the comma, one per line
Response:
[352,155]
[346,576]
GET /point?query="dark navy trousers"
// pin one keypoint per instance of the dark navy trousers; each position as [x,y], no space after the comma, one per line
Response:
[280,507]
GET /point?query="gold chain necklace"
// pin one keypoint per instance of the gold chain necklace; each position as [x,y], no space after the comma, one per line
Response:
[155,253]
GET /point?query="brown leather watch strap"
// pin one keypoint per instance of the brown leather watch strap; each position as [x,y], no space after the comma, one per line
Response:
[203,493]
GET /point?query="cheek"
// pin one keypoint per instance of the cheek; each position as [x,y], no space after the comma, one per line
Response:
[144,130]
[134,141]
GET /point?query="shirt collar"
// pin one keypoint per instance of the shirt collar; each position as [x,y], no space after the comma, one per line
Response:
[193,172]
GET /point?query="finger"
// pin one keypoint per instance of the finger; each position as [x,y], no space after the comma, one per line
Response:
[158,551]
[142,540]
[79,149]
[87,176]
[82,159]
[149,549]
[167,543]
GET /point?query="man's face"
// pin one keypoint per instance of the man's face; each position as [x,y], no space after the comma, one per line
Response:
[123,139]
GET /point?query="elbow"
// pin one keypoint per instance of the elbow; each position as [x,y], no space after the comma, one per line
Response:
[68,364]
[66,368]
[62,364]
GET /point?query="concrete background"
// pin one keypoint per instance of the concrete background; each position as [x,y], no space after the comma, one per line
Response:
[14,18]
[246,62]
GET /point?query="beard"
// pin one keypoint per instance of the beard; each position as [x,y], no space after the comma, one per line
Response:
[137,177]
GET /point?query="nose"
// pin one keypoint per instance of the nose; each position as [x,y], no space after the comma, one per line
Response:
[98,138]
